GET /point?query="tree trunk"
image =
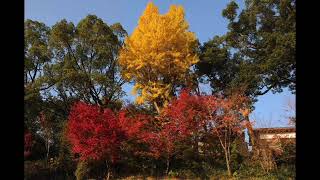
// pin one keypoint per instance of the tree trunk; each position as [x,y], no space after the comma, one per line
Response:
[168,164]
[228,163]
[156,106]
[196,146]
[250,131]
[48,149]
[108,170]
[108,174]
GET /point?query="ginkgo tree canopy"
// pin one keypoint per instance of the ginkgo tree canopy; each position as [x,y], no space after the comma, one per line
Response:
[158,54]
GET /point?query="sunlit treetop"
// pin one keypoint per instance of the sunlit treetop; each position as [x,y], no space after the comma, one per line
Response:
[158,54]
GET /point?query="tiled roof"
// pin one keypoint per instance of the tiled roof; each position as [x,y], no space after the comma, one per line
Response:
[275,130]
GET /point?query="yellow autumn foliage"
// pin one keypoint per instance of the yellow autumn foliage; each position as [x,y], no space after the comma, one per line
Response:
[158,54]
[245,112]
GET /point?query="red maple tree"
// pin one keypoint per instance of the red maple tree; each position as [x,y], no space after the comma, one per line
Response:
[94,133]
[226,120]
[133,124]
[195,116]
[184,117]
[97,133]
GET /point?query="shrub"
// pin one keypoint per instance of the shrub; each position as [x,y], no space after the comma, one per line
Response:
[35,169]
[288,154]
[41,169]
[173,174]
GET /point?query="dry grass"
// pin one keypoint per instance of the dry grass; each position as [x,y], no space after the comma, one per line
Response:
[148,178]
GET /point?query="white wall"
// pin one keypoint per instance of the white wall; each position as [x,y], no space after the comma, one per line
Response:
[279,135]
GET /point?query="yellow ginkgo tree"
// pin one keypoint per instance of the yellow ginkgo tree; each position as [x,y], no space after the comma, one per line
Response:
[158,55]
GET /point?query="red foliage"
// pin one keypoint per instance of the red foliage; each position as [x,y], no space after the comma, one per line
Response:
[132,126]
[163,142]
[189,112]
[27,144]
[183,117]
[230,114]
[193,115]
[99,134]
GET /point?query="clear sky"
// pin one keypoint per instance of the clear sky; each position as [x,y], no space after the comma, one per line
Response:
[204,17]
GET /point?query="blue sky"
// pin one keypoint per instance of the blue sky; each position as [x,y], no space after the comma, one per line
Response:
[204,17]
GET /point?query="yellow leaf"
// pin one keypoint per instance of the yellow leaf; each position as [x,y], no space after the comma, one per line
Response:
[160,47]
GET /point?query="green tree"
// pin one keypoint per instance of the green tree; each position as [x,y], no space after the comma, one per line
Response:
[36,54]
[217,65]
[257,52]
[84,64]
[36,50]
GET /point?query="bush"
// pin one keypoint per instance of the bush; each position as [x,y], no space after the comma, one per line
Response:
[90,169]
[288,154]
[173,174]
[251,170]
[41,169]
[238,153]
[36,170]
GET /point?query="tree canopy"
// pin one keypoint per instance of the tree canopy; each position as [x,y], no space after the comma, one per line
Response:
[85,61]
[257,52]
[158,55]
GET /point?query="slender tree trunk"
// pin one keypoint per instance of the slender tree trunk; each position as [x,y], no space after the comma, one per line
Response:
[250,131]
[48,149]
[228,162]
[108,174]
[26,80]
[168,164]
[157,107]
[196,147]
[108,170]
